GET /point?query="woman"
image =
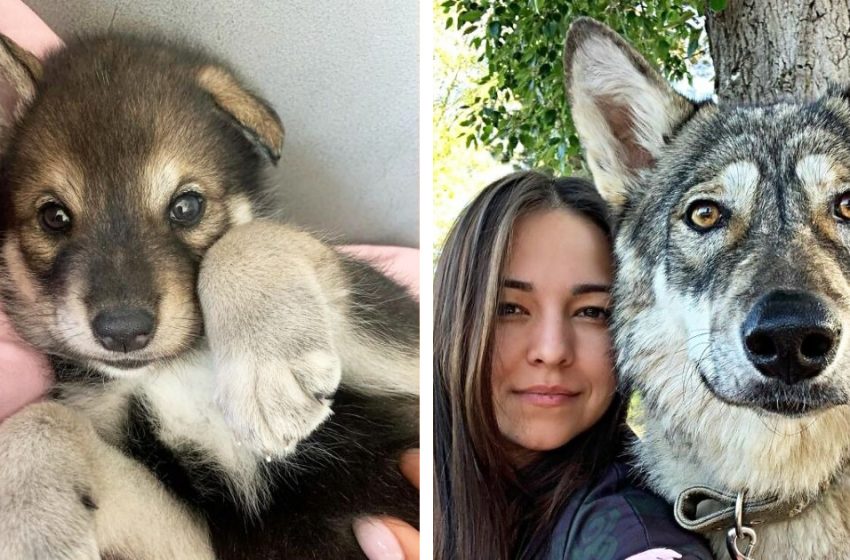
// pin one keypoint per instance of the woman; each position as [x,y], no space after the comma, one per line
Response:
[528,421]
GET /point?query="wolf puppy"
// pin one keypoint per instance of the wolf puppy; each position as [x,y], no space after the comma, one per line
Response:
[732,300]
[196,350]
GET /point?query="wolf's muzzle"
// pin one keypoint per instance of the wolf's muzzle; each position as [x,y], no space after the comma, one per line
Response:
[122,329]
[791,336]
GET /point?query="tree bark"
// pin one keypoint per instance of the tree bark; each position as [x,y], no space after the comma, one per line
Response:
[764,50]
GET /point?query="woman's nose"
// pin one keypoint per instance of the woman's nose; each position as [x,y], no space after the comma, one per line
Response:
[552,343]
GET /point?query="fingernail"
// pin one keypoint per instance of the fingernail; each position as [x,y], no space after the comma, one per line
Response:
[376,539]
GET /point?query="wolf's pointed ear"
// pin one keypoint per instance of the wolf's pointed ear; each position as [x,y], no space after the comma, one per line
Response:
[837,90]
[253,114]
[622,108]
[20,72]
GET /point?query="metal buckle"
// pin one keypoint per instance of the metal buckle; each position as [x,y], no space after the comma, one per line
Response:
[740,531]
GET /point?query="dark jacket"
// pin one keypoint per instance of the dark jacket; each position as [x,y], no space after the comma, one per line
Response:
[614,518]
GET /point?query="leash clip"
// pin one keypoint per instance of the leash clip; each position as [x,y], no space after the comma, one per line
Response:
[740,531]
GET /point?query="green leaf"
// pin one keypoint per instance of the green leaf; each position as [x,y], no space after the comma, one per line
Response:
[718,5]
[469,16]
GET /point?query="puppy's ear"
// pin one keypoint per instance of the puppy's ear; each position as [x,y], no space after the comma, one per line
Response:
[622,108]
[20,72]
[253,114]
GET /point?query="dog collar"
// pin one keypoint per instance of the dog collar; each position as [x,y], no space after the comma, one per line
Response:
[705,510]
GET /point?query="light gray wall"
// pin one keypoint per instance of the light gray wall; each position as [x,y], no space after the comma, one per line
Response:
[342,74]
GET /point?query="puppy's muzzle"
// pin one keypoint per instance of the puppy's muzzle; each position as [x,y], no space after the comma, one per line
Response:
[123,329]
[791,336]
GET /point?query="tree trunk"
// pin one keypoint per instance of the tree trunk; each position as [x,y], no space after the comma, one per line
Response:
[765,50]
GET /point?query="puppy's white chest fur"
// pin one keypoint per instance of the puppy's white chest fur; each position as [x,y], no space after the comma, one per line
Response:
[181,396]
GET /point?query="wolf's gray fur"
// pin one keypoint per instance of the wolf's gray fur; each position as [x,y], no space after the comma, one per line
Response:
[771,181]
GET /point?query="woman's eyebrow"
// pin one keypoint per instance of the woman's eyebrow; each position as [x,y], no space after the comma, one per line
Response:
[576,291]
[518,285]
[591,288]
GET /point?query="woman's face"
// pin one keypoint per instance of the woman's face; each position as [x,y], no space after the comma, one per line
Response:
[552,365]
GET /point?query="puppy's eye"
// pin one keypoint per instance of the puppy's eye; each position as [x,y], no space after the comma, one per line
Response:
[54,218]
[704,215]
[187,209]
[841,206]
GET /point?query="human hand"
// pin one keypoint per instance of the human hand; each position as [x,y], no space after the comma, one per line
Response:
[388,538]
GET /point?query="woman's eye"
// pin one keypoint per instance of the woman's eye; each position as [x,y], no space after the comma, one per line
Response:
[187,209]
[510,310]
[595,313]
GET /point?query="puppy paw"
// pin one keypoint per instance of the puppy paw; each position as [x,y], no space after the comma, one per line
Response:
[271,297]
[47,508]
[61,545]
[274,404]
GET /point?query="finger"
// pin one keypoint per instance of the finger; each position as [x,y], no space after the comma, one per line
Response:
[407,536]
[384,538]
[409,465]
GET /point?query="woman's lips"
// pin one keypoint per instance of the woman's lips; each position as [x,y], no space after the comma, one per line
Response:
[546,395]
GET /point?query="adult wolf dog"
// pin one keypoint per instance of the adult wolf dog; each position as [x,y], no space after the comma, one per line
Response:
[198,350]
[732,296]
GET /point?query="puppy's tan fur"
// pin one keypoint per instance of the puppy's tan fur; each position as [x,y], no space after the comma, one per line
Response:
[257,325]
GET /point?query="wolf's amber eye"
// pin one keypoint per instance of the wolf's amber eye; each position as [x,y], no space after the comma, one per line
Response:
[187,209]
[703,215]
[54,218]
[841,208]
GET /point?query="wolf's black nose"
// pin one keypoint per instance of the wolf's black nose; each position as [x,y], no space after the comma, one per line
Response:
[791,336]
[123,330]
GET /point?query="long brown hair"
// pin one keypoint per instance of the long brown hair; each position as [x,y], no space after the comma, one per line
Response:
[484,506]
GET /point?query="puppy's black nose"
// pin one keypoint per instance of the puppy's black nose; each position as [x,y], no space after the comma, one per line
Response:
[790,336]
[122,329]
